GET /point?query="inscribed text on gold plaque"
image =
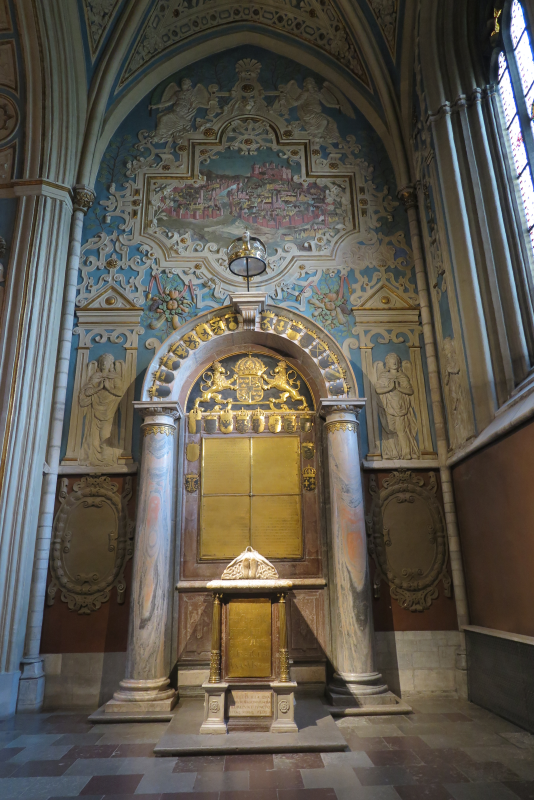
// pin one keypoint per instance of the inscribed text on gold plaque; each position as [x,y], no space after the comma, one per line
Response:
[249,638]
[251,495]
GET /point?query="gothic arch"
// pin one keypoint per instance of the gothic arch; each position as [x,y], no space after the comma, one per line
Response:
[386,123]
[175,364]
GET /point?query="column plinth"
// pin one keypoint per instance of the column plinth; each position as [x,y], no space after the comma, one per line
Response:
[146,683]
[356,682]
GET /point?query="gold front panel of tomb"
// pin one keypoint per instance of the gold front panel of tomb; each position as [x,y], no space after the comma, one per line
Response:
[277,526]
[275,465]
[225,466]
[249,638]
[224,526]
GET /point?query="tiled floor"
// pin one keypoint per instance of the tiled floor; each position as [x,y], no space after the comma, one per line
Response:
[445,749]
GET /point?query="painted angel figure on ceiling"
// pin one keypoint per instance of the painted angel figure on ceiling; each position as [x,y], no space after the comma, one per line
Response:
[185,101]
[309,102]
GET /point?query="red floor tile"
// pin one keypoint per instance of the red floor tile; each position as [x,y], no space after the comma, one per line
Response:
[276,779]
[111,785]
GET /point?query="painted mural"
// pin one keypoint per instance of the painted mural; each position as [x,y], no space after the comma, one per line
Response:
[228,145]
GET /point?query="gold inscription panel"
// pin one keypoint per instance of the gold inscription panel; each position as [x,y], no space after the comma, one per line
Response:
[277,526]
[225,466]
[276,465]
[250,704]
[224,526]
[249,638]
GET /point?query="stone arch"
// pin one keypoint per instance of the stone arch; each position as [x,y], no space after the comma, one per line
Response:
[181,357]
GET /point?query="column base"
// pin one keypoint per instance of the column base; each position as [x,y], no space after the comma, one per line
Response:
[349,689]
[151,695]
[352,695]
[214,707]
[31,686]
[9,684]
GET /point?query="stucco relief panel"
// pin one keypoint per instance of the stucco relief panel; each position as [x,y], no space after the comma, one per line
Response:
[407,538]
[92,540]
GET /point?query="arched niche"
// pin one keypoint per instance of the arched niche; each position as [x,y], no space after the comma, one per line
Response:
[179,360]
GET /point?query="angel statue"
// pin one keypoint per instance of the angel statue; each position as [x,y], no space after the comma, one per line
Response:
[394,389]
[100,396]
[309,101]
[185,101]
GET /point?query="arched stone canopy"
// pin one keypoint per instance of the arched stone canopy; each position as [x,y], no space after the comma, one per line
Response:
[322,374]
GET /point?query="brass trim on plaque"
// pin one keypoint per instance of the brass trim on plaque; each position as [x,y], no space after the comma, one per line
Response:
[249,638]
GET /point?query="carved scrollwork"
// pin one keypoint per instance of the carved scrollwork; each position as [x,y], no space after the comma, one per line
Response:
[91,543]
[407,539]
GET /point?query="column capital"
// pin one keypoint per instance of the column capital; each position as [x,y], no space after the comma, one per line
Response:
[149,409]
[408,196]
[350,406]
[83,198]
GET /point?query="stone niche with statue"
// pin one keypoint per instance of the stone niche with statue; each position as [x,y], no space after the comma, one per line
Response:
[249,687]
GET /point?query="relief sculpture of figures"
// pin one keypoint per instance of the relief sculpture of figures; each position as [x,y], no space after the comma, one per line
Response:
[459,427]
[309,109]
[100,396]
[395,395]
[185,101]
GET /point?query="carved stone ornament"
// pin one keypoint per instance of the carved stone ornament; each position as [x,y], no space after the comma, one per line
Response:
[407,539]
[250,565]
[91,543]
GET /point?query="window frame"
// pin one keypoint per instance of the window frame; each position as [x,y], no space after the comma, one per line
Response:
[525,120]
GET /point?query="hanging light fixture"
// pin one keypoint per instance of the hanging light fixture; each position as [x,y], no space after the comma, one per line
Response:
[247,257]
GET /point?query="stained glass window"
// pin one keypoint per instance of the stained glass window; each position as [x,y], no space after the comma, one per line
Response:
[514,99]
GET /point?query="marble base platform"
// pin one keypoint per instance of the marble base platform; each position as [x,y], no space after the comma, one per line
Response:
[317,732]
[132,714]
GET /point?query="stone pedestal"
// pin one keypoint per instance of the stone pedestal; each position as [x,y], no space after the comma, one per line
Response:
[214,707]
[284,707]
[146,682]
[356,682]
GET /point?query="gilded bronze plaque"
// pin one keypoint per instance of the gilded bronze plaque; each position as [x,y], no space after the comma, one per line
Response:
[275,465]
[249,638]
[224,526]
[225,466]
[277,526]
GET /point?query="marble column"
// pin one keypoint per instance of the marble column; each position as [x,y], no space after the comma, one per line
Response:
[356,682]
[32,680]
[146,683]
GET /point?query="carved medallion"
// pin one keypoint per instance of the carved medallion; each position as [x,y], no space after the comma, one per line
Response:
[242,421]
[91,543]
[258,421]
[192,452]
[275,423]
[210,423]
[308,479]
[193,420]
[191,341]
[407,539]
[203,332]
[217,325]
[290,423]
[306,424]
[226,421]
[308,450]
[191,481]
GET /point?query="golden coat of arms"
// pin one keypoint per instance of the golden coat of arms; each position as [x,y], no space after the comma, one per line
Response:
[248,373]
[191,481]
[308,450]
[308,479]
